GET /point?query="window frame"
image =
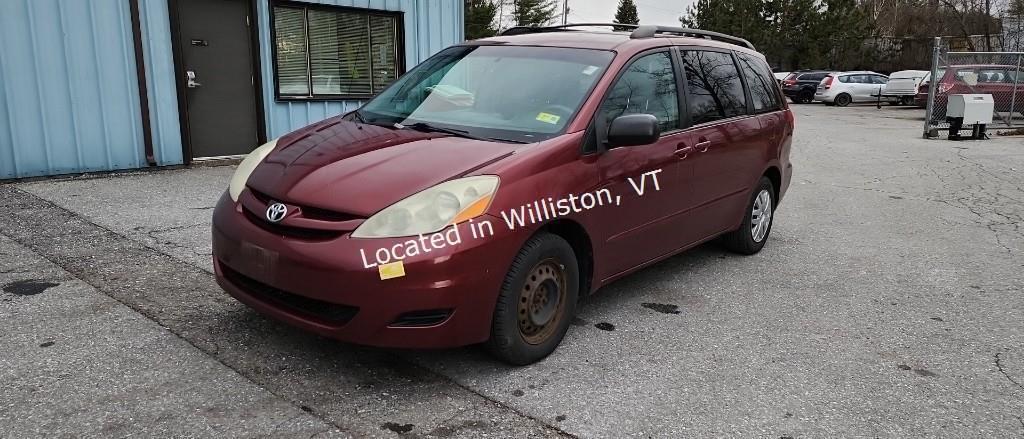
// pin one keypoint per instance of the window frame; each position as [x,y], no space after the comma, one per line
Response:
[596,137]
[400,54]
[686,91]
[737,58]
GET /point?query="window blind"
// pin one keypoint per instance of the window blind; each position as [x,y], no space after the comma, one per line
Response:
[321,52]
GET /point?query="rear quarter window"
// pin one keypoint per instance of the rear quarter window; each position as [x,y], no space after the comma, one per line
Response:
[763,89]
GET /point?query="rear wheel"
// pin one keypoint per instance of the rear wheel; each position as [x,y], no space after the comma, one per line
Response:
[843,100]
[537,301]
[757,221]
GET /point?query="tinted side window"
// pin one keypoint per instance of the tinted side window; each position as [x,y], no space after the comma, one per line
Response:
[648,86]
[714,89]
[762,89]
[813,77]
[880,79]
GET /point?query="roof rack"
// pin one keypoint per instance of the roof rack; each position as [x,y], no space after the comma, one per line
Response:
[520,30]
[638,32]
[650,31]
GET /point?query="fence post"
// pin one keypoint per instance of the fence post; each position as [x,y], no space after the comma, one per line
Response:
[1013,99]
[932,86]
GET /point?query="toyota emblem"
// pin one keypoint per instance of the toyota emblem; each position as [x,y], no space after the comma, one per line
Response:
[276,212]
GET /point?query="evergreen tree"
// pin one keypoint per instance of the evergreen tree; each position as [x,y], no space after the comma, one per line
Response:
[792,33]
[534,12]
[626,14]
[480,15]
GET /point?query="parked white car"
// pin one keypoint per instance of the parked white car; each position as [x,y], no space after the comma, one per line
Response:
[843,88]
[903,85]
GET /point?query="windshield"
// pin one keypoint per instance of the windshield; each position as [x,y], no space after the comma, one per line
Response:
[521,94]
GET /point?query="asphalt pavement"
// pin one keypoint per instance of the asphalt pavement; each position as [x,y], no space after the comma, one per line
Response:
[887,303]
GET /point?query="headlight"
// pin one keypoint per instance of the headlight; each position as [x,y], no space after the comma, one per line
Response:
[432,210]
[247,166]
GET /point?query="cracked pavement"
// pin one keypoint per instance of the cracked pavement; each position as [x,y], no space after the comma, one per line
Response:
[887,304]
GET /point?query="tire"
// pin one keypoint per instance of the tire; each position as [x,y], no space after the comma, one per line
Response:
[807,97]
[527,326]
[843,100]
[750,238]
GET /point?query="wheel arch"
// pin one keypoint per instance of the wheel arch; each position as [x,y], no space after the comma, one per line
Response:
[775,175]
[576,235]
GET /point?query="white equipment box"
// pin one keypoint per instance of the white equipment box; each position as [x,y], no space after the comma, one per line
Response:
[974,108]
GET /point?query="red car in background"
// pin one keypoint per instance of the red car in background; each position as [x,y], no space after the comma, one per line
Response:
[997,80]
[479,196]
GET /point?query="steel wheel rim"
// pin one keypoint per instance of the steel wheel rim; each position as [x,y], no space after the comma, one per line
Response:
[542,302]
[761,215]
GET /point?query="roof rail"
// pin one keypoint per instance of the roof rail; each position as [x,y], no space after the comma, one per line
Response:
[638,32]
[520,30]
[650,31]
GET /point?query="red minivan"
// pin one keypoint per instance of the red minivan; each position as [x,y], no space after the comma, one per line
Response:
[480,195]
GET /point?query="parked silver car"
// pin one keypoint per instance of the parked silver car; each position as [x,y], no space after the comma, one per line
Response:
[843,88]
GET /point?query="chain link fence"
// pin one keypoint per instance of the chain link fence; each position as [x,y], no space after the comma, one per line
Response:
[994,73]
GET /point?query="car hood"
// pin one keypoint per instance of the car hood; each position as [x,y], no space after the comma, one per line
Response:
[360,169]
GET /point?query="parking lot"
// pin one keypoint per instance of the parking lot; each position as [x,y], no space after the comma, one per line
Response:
[887,303]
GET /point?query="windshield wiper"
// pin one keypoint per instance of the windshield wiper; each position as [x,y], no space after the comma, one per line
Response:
[359,116]
[428,128]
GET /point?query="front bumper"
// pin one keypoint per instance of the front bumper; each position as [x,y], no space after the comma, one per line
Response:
[446,298]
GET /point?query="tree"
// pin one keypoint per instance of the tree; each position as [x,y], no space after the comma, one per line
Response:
[626,14]
[534,12]
[792,33]
[480,15]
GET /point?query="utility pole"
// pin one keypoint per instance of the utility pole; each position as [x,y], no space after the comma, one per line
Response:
[565,12]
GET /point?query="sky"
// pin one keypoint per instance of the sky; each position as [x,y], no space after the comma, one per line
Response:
[659,12]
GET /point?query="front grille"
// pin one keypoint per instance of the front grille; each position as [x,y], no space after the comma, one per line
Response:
[328,312]
[308,211]
[291,232]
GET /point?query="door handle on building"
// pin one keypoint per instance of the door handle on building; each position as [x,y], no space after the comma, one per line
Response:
[190,77]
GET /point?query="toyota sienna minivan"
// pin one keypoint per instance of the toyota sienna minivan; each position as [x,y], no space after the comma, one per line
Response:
[483,193]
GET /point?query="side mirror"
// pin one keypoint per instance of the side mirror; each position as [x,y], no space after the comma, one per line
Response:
[633,130]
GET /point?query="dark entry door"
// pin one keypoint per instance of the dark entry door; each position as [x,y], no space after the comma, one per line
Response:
[219,77]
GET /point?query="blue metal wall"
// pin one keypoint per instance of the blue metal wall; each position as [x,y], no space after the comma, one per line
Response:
[68,89]
[430,25]
[70,97]
[69,93]
[163,92]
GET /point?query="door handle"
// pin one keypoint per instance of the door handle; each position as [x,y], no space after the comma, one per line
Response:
[191,82]
[703,146]
[683,151]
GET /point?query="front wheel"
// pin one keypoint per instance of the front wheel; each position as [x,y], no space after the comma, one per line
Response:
[757,221]
[537,301]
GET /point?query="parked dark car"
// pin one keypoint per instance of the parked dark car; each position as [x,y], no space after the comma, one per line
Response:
[801,85]
[591,155]
[994,79]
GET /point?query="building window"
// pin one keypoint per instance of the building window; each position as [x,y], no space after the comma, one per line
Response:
[323,52]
